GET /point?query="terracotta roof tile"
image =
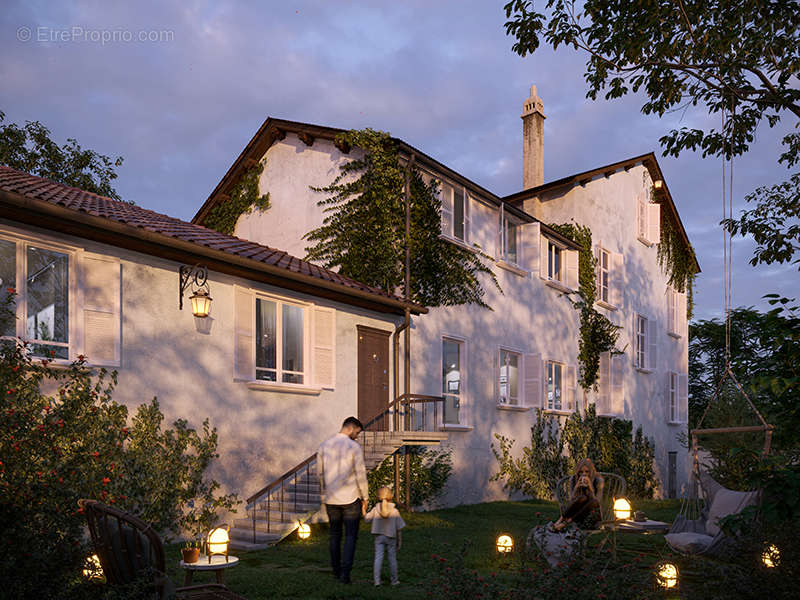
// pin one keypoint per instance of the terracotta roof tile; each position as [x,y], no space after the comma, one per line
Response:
[38,188]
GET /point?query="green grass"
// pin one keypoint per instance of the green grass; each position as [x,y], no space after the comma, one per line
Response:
[301,569]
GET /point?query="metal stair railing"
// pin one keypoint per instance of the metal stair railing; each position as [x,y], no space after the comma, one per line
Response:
[401,413]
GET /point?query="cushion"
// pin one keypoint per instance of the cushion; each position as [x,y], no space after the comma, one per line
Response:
[727,502]
[688,542]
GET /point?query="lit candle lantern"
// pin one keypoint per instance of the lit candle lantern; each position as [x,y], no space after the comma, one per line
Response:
[201,303]
[304,531]
[667,575]
[217,542]
[505,544]
[622,509]
[92,568]
[770,556]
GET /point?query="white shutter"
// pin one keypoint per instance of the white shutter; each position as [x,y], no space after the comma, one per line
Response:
[668,397]
[100,287]
[635,342]
[617,279]
[501,250]
[671,300]
[244,323]
[530,246]
[641,219]
[571,257]
[571,387]
[653,223]
[603,405]
[544,244]
[446,195]
[467,216]
[324,347]
[683,398]
[681,316]
[617,385]
[598,258]
[532,367]
[652,344]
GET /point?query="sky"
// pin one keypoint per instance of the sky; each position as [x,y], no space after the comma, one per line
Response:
[178,88]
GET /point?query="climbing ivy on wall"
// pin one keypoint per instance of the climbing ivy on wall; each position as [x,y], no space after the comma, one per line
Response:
[676,260]
[597,334]
[244,197]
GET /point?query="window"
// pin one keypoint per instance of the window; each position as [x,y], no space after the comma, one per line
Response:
[454,211]
[644,343]
[452,356]
[676,397]
[509,378]
[610,385]
[676,313]
[554,272]
[41,277]
[558,264]
[604,276]
[509,240]
[280,341]
[648,220]
[554,385]
[672,397]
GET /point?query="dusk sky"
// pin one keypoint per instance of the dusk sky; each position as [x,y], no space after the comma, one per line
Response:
[440,75]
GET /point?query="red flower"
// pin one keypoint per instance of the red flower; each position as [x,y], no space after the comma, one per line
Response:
[95,454]
[106,481]
[11,290]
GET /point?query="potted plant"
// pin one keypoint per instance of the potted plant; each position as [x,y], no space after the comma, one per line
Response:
[190,552]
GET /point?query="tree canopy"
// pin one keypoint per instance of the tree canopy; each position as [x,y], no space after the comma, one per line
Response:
[30,149]
[363,234]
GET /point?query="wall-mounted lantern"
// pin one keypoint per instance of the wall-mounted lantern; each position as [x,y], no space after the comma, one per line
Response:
[201,301]
[658,184]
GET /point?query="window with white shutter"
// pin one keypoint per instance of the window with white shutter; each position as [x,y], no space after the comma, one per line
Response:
[324,350]
[100,288]
[610,385]
[530,246]
[508,378]
[446,197]
[671,398]
[648,221]
[244,334]
[683,398]
[608,278]
[510,238]
[532,370]
[455,211]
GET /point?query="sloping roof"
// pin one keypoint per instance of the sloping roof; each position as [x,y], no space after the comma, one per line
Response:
[44,203]
[648,160]
[276,129]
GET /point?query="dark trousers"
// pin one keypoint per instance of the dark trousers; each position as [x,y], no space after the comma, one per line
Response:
[581,508]
[347,515]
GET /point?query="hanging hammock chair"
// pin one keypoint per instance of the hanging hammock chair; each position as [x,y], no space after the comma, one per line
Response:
[696,528]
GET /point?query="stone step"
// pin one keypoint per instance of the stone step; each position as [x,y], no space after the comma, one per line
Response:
[246,536]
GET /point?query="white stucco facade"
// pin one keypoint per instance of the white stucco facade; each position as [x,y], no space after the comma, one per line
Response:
[532,321]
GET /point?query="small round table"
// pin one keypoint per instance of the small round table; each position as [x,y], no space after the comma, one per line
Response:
[218,565]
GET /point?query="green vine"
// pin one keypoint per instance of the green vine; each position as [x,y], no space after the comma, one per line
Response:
[598,334]
[244,197]
[676,259]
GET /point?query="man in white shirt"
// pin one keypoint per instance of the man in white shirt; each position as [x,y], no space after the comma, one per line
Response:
[343,479]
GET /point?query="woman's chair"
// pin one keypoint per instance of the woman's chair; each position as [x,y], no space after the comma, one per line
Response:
[129,549]
[613,487]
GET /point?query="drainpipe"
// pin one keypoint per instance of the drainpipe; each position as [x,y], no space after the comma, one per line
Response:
[407,329]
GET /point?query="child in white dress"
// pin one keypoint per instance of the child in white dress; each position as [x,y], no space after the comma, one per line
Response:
[386,526]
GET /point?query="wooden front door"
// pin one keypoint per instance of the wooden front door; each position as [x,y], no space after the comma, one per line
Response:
[373,376]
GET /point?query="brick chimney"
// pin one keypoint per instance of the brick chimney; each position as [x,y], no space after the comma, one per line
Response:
[532,141]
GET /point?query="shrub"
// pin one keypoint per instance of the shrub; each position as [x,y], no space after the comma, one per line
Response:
[78,443]
[430,470]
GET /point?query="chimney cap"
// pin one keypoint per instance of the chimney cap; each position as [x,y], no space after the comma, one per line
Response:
[533,104]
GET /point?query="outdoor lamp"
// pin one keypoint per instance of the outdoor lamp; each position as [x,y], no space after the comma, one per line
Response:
[92,569]
[304,531]
[622,509]
[667,575]
[505,544]
[771,556]
[201,303]
[217,542]
[658,184]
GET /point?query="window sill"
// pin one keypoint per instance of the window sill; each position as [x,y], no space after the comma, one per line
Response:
[675,423]
[645,241]
[287,388]
[512,268]
[677,336]
[459,243]
[608,415]
[454,427]
[605,305]
[513,407]
[563,413]
[558,286]
[645,371]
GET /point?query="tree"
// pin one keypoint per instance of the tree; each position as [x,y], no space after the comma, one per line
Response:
[740,58]
[363,234]
[30,149]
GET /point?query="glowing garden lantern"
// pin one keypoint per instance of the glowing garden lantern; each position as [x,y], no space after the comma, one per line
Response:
[771,556]
[217,542]
[304,531]
[201,303]
[92,568]
[667,575]
[622,509]
[505,544]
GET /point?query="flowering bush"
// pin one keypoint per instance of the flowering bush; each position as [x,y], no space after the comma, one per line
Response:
[63,438]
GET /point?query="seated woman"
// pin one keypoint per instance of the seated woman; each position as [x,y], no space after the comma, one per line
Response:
[584,502]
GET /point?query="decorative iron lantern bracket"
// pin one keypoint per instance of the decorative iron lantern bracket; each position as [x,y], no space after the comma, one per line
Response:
[197,273]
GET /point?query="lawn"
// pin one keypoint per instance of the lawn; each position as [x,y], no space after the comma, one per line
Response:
[300,569]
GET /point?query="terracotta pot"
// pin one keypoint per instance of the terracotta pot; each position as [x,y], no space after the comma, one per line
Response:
[190,555]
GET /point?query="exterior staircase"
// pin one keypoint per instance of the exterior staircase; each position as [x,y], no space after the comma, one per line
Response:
[294,498]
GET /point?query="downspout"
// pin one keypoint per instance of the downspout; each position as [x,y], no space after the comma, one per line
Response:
[407,328]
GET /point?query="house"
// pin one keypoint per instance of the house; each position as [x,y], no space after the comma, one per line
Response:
[494,367]
[286,353]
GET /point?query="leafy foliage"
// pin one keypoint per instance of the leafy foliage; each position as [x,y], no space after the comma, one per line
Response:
[430,469]
[598,333]
[78,443]
[363,234]
[608,442]
[244,197]
[30,149]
